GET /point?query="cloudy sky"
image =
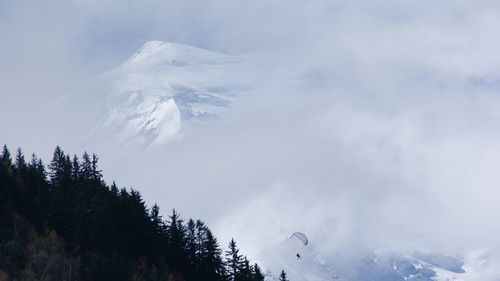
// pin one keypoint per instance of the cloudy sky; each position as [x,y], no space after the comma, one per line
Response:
[377,125]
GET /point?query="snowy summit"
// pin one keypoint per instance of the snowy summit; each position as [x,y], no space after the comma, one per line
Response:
[162,87]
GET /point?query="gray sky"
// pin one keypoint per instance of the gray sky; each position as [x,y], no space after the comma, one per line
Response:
[383,132]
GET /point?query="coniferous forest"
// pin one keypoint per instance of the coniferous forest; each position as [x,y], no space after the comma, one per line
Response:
[63,222]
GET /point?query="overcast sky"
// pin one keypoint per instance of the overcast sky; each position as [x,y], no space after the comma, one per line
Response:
[383,131]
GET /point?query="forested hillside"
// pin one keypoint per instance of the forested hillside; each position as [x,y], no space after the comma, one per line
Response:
[63,222]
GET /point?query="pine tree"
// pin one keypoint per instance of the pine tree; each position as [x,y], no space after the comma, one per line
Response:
[56,166]
[283,276]
[139,222]
[38,190]
[20,163]
[234,261]
[176,234]
[23,194]
[191,244]
[212,266]
[156,219]
[96,173]
[67,169]
[33,163]
[6,158]
[75,169]
[200,237]
[86,167]
[6,172]
[114,191]
[246,271]
[62,206]
[176,231]
[42,172]
[257,273]
[159,232]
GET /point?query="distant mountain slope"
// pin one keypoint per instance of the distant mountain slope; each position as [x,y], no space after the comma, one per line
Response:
[370,266]
[164,85]
[158,90]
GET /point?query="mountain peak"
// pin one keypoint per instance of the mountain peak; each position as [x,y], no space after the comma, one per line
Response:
[154,53]
[162,87]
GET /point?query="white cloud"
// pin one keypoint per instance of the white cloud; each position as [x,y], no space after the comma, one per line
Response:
[374,122]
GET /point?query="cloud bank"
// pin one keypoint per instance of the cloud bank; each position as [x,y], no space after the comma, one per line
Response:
[373,123]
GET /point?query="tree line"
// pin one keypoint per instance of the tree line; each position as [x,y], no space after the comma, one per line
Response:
[63,222]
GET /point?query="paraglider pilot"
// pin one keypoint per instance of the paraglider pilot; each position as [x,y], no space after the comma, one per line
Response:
[302,237]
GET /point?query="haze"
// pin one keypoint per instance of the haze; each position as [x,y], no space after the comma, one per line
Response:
[373,123]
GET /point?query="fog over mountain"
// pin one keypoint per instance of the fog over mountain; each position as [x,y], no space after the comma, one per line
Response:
[372,126]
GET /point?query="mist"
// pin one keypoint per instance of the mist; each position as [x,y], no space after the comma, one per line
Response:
[370,124]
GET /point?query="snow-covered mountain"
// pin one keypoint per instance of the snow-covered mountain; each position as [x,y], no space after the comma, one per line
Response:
[160,89]
[371,266]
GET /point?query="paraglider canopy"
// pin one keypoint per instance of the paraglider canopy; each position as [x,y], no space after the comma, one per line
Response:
[301,236]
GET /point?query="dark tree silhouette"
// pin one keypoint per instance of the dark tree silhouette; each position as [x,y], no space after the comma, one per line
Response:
[234,261]
[283,276]
[257,273]
[68,224]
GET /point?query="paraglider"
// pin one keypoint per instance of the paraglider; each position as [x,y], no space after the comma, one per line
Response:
[301,236]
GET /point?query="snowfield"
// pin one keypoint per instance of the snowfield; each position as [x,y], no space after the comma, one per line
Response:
[159,89]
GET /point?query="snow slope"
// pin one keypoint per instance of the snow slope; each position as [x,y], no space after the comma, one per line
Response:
[161,88]
[371,266]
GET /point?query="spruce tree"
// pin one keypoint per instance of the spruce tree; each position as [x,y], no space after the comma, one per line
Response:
[6,172]
[96,173]
[234,261]
[176,234]
[86,167]
[23,194]
[159,232]
[33,163]
[283,276]
[75,169]
[156,219]
[6,158]
[42,172]
[191,245]
[56,166]
[20,162]
[211,260]
[246,271]
[200,237]
[257,273]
